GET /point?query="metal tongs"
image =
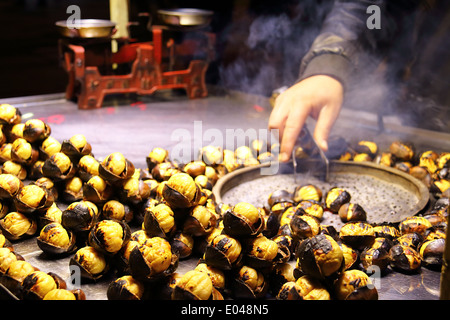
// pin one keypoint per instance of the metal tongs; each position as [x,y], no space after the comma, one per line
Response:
[308,156]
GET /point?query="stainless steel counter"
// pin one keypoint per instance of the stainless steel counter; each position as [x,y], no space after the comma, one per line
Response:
[134,126]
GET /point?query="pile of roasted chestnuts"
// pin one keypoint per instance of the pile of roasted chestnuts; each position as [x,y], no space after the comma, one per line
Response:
[136,225]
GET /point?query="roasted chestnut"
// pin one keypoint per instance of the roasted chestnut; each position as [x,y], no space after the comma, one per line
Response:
[109,236]
[355,285]
[9,186]
[52,214]
[152,260]
[249,283]
[195,168]
[312,289]
[5,152]
[23,152]
[200,221]
[16,225]
[335,198]
[289,291]
[97,190]
[303,225]
[134,190]
[279,195]
[193,285]
[285,248]
[223,252]
[92,263]
[36,130]
[73,190]
[279,275]
[432,252]
[65,294]
[54,239]
[373,256]
[416,224]
[159,221]
[404,166]
[386,230]
[49,185]
[243,219]
[320,257]
[58,167]
[386,159]
[182,244]
[80,216]
[16,131]
[38,283]
[307,192]
[405,258]
[17,271]
[350,256]
[49,147]
[368,147]
[312,208]
[76,147]
[9,114]
[181,191]
[352,212]
[116,168]
[357,235]
[412,240]
[87,167]
[7,256]
[216,275]
[402,150]
[14,168]
[32,198]
[116,210]
[156,156]
[125,288]
[260,252]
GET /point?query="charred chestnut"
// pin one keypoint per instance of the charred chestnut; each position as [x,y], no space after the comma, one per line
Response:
[80,216]
[350,256]
[109,236]
[402,150]
[355,285]
[134,190]
[65,294]
[357,235]
[16,225]
[14,168]
[156,156]
[38,283]
[116,168]
[17,271]
[312,208]
[261,252]
[352,212]
[116,210]
[23,152]
[152,260]
[159,221]
[58,167]
[368,147]
[181,191]
[432,251]
[49,147]
[335,198]
[10,186]
[182,244]
[76,147]
[54,239]
[9,114]
[280,195]
[200,221]
[416,224]
[216,275]
[412,240]
[223,252]
[88,166]
[289,291]
[405,258]
[193,285]
[92,263]
[320,257]
[249,283]
[303,225]
[36,130]
[386,230]
[32,198]
[279,275]
[125,288]
[243,219]
[373,256]
[307,192]
[97,190]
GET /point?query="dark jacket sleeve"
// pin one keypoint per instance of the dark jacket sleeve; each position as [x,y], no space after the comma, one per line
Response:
[335,51]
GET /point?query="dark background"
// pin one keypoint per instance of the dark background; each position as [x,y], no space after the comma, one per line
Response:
[29,63]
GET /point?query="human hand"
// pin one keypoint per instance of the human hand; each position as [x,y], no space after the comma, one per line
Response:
[318,96]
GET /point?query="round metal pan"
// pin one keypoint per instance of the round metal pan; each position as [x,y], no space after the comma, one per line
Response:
[185,17]
[386,194]
[87,28]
